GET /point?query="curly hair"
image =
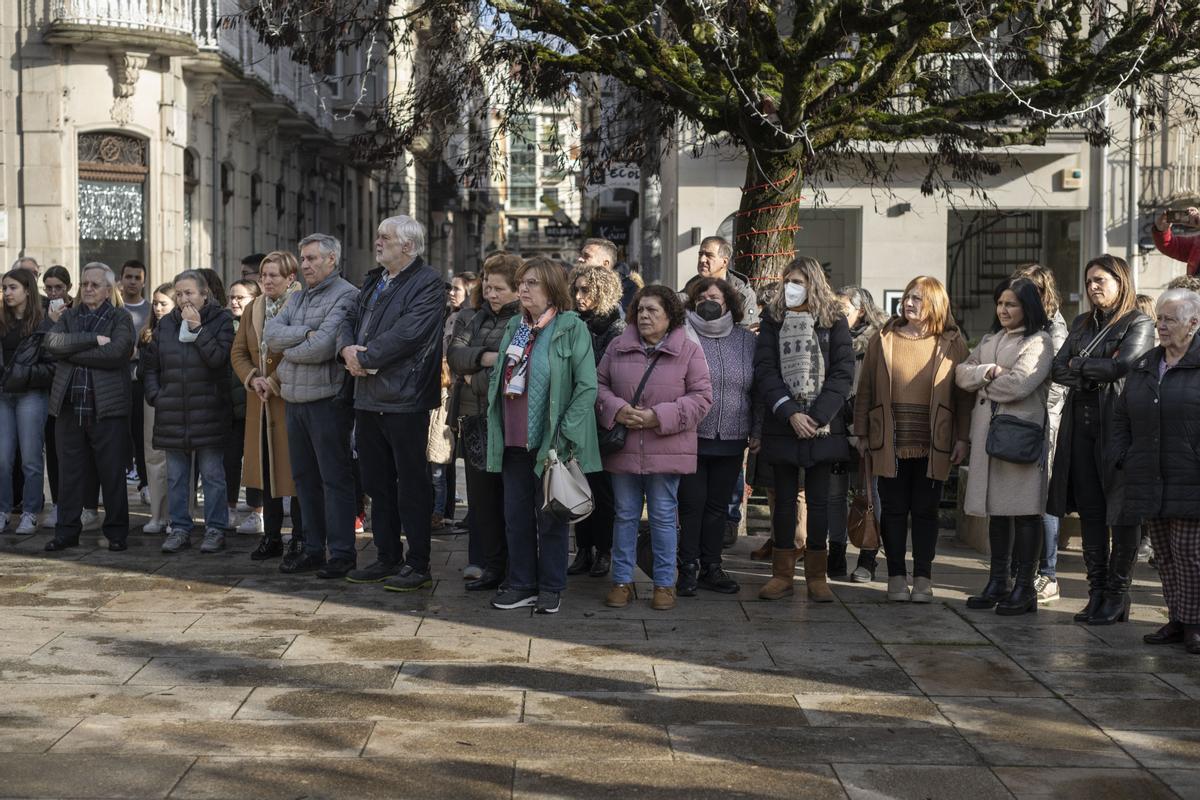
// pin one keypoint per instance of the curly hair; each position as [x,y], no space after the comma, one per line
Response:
[1043,279]
[667,297]
[603,286]
[822,302]
[733,301]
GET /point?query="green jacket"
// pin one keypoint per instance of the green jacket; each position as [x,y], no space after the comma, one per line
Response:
[572,396]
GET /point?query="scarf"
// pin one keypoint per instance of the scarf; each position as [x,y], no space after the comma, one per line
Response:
[717,328]
[516,357]
[800,359]
[271,309]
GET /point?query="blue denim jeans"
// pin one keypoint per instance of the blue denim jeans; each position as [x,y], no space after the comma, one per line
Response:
[659,493]
[1050,543]
[23,431]
[437,473]
[210,462]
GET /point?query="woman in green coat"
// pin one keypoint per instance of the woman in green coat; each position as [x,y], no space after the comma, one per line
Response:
[542,395]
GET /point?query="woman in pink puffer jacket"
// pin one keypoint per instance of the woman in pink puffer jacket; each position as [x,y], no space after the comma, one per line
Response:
[661,441]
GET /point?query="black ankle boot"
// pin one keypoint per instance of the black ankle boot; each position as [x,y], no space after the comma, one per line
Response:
[1026,550]
[1114,606]
[689,574]
[1000,538]
[269,546]
[836,568]
[1095,561]
[582,562]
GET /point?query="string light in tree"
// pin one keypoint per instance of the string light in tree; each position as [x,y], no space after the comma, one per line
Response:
[595,38]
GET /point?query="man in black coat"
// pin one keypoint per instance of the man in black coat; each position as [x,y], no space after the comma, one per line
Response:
[90,400]
[391,343]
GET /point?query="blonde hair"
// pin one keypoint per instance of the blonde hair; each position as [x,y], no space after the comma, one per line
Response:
[603,285]
[288,265]
[822,302]
[935,305]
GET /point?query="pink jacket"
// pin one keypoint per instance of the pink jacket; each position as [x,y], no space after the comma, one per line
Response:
[679,390]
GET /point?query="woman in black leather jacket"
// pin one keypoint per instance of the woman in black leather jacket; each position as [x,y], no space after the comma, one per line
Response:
[597,293]
[1103,345]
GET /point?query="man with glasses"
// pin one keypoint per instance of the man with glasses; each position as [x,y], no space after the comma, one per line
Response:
[90,400]
[391,342]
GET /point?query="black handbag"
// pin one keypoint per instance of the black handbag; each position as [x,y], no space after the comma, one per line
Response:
[612,440]
[472,438]
[1015,440]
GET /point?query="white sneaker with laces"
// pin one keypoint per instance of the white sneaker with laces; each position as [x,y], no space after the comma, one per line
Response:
[51,518]
[91,520]
[28,525]
[1047,588]
[253,523]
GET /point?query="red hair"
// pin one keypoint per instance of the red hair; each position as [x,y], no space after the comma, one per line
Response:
[935,307]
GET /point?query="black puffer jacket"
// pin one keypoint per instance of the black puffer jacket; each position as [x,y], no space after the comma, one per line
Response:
[72,347]
[1155,440]
[1104,373]
[604,328]
[478,334]
[188,382]
[31,367]
[779,441]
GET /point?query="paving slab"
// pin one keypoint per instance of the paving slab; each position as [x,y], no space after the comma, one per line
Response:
[81,775]
[688,780]
[56,700]
[1145,714]
[861,710]
[411,706]
[323,623]
[531,677]
[1171,749]
[117,735]
[870,745]
[965,671]
[217,778]
[599,742]
[257,672]
[22,734]
[1020,731]
[909,623]
[79,668]
[181,645]
[744,655]
[665,708]
[1129,685]
[818,679]
[903,782]
[1072,783]
[369,647]
[1187,684]
[1185,782]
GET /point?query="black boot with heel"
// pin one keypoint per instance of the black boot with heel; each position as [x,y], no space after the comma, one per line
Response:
[1000,538]
[1027,549]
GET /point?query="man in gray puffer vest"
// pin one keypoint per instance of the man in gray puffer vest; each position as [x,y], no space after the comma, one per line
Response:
[318,424]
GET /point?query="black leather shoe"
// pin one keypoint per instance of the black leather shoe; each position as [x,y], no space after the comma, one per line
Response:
[715,579]
[375,572]
[689,573]
[305,563]
[336,568]
[601,565]
[54,545]
[117,547]
[294,549]
[409,579]
[1171,633]
[268,547]
[489,580]
[582,562]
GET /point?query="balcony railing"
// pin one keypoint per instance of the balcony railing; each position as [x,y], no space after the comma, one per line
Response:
[160,16]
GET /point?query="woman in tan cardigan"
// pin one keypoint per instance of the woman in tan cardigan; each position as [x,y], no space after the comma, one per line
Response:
[912,420]
[1010,372]
[267,463]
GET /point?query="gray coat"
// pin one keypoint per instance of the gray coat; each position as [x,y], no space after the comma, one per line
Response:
[309,370]
[109,363]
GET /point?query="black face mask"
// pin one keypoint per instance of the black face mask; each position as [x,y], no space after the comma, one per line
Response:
[709,310]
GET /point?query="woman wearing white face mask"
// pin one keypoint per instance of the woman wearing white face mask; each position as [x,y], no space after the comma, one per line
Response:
[803,369]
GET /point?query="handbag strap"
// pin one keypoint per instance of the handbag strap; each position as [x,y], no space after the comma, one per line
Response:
[637,396]
[1087,351]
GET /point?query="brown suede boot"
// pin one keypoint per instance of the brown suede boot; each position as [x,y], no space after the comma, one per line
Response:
[815,564]
[763,553]
[783,570]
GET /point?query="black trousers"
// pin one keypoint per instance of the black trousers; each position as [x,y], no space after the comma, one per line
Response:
[485,498]
[234,451]
[137,431]
[597,530]
[704,507]
[103,446]
[273,506]
[391,454]
[910,495]
[1087,487]
[816,503]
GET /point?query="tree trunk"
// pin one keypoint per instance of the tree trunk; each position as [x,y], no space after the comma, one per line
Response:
[766,221]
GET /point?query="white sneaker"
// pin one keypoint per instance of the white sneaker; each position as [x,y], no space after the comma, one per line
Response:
[91,520]
[898,589]
[144,495]
[155,526]
[242,508]
[1046,587]
[29,524]
[51,518]
[922,590]
[253,523]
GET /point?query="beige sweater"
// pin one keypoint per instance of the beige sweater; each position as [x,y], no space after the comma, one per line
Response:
[912,386]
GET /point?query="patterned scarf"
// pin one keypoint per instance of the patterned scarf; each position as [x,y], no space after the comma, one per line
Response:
[271,309]
[516,357]
[800,358]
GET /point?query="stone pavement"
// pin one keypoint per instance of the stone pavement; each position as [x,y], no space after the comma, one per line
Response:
[141,675]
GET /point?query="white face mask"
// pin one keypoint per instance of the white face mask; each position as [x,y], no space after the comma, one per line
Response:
[794,294]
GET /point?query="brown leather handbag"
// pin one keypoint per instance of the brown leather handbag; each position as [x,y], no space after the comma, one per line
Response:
[862,525]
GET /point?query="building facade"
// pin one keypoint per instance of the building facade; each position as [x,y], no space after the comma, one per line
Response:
[156,130]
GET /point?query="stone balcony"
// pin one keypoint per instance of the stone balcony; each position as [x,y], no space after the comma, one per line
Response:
[165,27]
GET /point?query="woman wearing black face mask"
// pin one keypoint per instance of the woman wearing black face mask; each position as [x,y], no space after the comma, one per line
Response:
[714,310]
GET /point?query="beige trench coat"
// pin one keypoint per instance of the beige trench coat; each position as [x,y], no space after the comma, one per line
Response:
[995,487]
[247,363]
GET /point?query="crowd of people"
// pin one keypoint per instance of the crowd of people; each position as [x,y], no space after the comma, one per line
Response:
[303,387]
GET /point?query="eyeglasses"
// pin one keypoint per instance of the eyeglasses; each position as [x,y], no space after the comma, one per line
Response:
[529,283]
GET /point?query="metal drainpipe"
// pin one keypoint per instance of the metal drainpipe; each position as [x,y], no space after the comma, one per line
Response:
[1135,186]
[216,184]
